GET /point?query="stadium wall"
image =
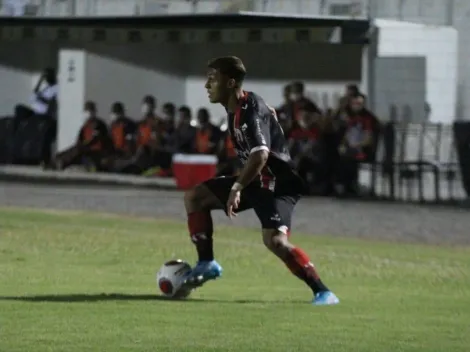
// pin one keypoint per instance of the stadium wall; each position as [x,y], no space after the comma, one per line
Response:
[438,45]
[176,73]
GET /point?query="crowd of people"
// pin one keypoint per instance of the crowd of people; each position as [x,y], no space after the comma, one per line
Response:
[326,146]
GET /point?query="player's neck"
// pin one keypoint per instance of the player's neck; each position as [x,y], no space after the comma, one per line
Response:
[233,100]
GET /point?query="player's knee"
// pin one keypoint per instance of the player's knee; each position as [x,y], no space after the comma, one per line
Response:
[196,199]
[192,199]
[275,241]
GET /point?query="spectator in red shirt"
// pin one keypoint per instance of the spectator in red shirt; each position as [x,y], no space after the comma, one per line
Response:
[306,148]
[300,102]
[356,144]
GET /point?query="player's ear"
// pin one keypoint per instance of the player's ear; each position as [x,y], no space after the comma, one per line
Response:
[231,83]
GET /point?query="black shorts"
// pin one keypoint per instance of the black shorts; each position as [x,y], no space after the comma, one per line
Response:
[273,208]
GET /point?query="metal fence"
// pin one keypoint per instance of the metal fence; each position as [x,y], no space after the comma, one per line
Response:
[415,162]
[349,8]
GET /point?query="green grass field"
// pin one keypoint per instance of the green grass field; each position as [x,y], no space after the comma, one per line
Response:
[86,282]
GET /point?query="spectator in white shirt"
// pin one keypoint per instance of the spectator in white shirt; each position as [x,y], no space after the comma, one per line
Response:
[44,99]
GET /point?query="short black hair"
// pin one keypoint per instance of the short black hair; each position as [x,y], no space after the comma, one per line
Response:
[118,107]
[185,110]
[298,87]
[353,88]
[230,66]
[170,107]
[204,112]
[90,105]
[150,99]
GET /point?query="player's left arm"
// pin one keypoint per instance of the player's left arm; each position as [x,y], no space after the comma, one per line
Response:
[257,133]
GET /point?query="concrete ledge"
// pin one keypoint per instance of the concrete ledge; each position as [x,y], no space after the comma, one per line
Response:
[29,174]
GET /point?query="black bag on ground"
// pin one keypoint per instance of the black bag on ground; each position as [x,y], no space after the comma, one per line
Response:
[6,138]
[33,140]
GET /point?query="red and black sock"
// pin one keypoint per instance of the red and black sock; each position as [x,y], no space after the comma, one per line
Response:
[300,265]
[200,229]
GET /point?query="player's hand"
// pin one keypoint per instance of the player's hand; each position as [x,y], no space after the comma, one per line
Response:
[232,203]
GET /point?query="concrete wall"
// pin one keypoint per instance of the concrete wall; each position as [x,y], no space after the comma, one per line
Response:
[176,73]
[454,13]
[128,74]
[439,46]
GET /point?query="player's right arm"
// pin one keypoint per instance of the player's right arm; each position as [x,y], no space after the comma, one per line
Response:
[257,134]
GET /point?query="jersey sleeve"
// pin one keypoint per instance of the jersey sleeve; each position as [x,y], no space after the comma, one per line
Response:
[257,131]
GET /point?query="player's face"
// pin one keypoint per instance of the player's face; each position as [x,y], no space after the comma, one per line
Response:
[217,86]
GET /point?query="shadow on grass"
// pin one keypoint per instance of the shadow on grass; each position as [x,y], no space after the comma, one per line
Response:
[89,298]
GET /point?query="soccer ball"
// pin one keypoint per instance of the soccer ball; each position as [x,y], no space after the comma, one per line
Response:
[171,276]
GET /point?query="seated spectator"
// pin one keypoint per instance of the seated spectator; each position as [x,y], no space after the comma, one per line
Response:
[149,106]
[147,140]
[305,146]
[351,91]
[356,144]
[93,143]
[167,125]
[184,140]
[150,158]
[285,111]
[229,164]
[300,102]
[207,135]
[123,137]
[44,99]
[123,131]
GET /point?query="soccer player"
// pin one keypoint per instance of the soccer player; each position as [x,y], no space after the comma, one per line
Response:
[267,183]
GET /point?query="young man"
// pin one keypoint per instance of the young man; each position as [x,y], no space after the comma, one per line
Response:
[267,182]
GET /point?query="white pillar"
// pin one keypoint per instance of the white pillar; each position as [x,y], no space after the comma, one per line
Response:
[72,85]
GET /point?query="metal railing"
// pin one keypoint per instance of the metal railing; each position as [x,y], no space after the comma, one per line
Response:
[348,8]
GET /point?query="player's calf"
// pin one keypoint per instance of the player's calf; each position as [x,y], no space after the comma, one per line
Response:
[199,202]
[295,259]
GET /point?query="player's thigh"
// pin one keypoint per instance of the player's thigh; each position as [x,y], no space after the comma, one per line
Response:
[275,215]
[203,197]
[275,212]
[217,191]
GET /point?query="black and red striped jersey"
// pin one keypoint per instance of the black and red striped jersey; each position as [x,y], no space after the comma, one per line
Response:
[253,127]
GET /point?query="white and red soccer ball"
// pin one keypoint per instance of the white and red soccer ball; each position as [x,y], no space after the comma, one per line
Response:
[171,276]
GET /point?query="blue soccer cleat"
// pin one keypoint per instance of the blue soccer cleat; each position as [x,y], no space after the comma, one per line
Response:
[203,272]
[326,298]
